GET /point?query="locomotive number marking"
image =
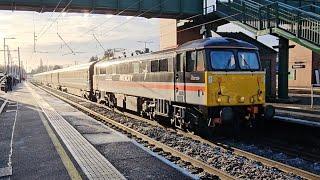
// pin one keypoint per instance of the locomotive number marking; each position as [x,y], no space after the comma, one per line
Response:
[210,79]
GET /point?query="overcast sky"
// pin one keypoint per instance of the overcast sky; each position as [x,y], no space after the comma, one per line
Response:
[113,32]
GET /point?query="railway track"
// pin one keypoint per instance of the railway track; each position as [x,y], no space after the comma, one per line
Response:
[313,155]
[214,164]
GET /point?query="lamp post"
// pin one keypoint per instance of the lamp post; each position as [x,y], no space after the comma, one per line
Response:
[4,53]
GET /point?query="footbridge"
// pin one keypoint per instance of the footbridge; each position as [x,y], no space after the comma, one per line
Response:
[143,8]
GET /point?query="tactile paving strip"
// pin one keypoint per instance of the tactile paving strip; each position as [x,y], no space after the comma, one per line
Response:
[93,164]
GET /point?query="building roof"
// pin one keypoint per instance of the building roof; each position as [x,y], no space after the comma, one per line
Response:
[263,49]
[216,42]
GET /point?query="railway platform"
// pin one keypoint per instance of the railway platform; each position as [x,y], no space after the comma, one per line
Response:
[299,111]
[42,137]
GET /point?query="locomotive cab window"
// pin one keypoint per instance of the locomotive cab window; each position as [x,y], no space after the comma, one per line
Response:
[248,60]
[223,60]
[191,61]
[200,61]
[195,61]
[179,63]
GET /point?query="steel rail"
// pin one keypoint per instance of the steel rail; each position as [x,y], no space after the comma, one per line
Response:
[263,160]
[209,169]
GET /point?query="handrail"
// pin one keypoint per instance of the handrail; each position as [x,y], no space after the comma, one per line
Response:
[277,16]
[293,8]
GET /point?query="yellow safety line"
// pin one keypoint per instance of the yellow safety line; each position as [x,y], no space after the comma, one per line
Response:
[71,169]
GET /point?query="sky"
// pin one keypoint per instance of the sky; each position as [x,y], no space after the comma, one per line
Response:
[74,30]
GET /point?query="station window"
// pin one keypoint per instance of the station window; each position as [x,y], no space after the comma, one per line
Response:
[191,61]
[163,65]
[155,66]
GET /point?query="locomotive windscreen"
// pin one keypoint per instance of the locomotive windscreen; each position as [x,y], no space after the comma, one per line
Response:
[234,60]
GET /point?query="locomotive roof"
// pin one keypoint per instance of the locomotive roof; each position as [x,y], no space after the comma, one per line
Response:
[148,56]
[216,42]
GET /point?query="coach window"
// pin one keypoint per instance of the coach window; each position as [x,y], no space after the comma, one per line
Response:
[155,66]
[144,67]
[124,69]
[118,68]
[191,61]
[103,70]
[163,65]
[114,69]
[96,71]
[136,67]
[109,70]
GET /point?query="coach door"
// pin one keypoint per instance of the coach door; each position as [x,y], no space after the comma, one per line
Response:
[179,79]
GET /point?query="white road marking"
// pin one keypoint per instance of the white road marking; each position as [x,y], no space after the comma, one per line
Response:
[11,110]
[7,171]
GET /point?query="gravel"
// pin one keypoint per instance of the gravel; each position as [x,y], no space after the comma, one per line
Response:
[218,157]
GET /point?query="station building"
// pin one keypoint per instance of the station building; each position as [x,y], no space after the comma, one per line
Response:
[304,66]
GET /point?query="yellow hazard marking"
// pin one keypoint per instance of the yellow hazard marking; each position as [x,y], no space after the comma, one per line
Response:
[72,171]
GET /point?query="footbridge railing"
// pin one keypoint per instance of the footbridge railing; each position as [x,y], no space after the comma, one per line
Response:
[269,17]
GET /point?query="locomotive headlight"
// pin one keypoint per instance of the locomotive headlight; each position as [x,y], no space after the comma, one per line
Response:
[219,100]
[260,98]
[242,99]
[229,100]
[252,100]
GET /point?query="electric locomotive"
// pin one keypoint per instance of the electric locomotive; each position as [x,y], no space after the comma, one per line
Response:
[199,85]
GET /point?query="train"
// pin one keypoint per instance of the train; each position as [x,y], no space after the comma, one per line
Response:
[197,86]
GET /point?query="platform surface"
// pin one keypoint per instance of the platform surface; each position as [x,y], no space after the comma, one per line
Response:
[94,150]
[300,111]
[26,147]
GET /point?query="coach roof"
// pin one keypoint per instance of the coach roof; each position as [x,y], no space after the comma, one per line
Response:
[217,42]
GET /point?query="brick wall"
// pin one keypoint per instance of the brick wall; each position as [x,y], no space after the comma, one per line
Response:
[168,33]
[302,76]
[189,35]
